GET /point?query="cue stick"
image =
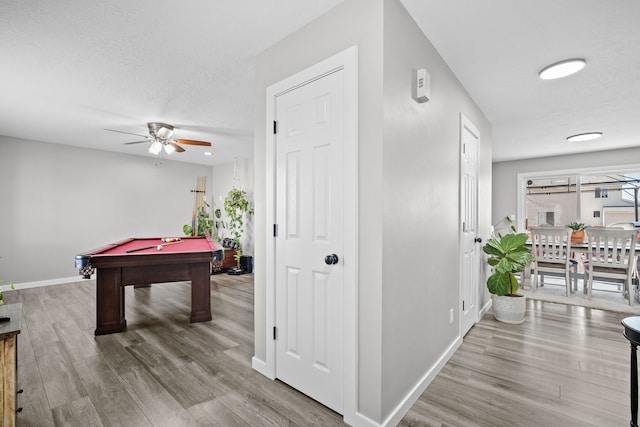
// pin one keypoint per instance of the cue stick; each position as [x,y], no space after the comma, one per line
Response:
[200,195]
[152,246]
[139,249]
[198,203]
[202,190]
[194,223]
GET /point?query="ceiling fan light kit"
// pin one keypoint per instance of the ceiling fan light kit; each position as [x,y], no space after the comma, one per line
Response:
[155,147]
[160,130]
[168,148]
[160,137]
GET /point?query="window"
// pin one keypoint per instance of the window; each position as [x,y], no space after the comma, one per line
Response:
[551,201]
[596,199]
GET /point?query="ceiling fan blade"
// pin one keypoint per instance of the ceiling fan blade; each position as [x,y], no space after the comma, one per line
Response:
[193,142]
[135,142]
[176,146]
[128,133]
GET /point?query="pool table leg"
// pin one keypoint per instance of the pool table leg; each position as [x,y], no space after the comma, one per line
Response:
[109,302]
[200,292]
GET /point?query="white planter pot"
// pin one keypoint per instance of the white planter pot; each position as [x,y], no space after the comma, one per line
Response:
[509,309]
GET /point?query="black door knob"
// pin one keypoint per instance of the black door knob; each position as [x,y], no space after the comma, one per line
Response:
[331,259]
[478,240]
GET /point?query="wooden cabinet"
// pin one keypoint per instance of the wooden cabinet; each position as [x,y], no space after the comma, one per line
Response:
[8,361]
[229,260]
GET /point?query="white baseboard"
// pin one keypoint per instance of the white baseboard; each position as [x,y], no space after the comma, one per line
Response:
[27,285]
[262,367]
[485,309]
[360,420]
[401,410]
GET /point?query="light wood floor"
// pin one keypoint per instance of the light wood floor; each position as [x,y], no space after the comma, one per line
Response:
[565,366]
[163,371]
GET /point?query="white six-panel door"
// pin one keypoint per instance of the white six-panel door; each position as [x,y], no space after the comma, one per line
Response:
[470,248]
[309,217]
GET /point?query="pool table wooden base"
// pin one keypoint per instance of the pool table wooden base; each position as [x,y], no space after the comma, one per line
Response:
[110,283]
[143,261]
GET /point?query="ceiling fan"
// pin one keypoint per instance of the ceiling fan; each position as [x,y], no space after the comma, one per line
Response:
[160,137]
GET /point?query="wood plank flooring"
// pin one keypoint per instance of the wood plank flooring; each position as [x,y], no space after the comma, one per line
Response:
[163,371]
[565,366]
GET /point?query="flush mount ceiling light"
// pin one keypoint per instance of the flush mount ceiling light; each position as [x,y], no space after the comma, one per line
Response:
[562,69]
[584,136]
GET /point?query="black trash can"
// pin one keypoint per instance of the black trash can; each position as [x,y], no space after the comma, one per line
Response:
[246,263]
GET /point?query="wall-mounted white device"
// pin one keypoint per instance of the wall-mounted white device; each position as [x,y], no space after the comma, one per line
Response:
[423,85]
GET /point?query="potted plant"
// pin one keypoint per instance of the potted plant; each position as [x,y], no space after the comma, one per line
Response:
[204,223]
[236,205]
[508,255]
[577,235]
[1,296]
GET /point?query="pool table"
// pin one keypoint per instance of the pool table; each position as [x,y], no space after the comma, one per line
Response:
[139,261]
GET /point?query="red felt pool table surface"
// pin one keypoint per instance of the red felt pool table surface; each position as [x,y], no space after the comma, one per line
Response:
[185,244]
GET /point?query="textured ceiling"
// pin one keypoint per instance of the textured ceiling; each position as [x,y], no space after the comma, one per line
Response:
[71,68]
[497,47]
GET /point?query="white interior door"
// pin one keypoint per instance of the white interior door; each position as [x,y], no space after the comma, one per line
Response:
[309,216]
[469,246]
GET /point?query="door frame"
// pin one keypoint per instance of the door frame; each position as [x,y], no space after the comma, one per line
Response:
[465,123]
[347,61]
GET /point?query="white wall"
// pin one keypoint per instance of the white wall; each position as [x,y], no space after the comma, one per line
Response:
[408,192]
[421,158]
[505,174]
[58,201]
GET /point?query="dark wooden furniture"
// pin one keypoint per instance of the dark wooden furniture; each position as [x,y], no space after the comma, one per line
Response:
[229,260]
[632,333]
[121,264]
[9,331]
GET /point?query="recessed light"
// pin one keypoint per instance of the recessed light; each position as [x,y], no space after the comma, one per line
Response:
[584,136]
[208,153]
[562,69]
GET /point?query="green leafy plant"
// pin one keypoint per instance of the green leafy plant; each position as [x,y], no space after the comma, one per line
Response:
[236,205]
[1,296]
[508,255]
[204,222]
[237,257]
[577,226]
